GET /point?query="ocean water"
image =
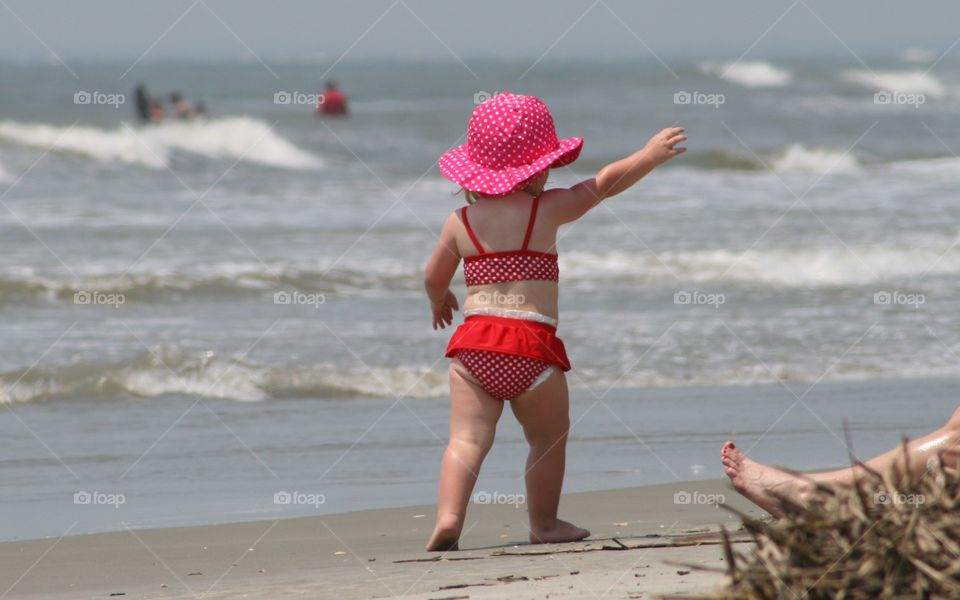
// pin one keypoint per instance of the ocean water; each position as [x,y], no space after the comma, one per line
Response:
[809,235]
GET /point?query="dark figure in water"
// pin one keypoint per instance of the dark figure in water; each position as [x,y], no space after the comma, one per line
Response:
[148,109]
[333,102]
[181,108]
[142,103]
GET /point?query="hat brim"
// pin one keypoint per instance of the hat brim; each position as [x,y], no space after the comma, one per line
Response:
[458,168]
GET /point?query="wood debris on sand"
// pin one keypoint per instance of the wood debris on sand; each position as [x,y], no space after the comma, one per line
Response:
[893,535]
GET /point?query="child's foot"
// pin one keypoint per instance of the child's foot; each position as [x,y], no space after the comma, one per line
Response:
[759,483]
[559,533]
[446,536]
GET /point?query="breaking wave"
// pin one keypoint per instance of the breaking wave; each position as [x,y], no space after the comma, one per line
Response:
[916,82]
[214,281]
[166,371]
[752,74]
[798,159]
[231,138]
[807,267]
[793,159]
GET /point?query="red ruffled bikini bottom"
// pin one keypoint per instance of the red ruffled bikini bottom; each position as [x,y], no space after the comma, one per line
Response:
[507,356]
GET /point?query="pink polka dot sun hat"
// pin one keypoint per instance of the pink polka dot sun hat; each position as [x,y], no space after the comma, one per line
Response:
[510,139]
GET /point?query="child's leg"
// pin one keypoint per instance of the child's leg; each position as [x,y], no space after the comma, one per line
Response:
[544,414]
[473,423]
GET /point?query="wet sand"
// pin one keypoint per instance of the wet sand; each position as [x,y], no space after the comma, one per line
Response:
[639,534]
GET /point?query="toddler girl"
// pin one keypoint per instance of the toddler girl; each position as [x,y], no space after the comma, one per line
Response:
[507,348]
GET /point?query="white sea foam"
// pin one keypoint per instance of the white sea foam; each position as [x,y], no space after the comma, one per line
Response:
[799,159]
[830,266]
[908,367]
[913,82]
[749,73]
[167,371]
[918,55]
[945,167]
[231,138]
[162,282]
[170,371]
[826,265]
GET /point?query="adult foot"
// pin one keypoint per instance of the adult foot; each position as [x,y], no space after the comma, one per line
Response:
[762,485]
[559,533]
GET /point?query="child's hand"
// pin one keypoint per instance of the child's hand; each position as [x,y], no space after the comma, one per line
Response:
[443,310]
[662,147]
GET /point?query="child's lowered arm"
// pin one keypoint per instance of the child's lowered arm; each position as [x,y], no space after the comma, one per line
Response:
[622,174]
[438,274]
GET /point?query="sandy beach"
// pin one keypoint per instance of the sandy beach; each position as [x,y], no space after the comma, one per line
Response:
[378,554]
[221,376]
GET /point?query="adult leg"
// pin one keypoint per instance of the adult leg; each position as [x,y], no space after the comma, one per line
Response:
[765,485]
[944,442]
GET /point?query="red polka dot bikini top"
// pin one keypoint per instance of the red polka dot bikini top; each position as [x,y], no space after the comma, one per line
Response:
[513,265]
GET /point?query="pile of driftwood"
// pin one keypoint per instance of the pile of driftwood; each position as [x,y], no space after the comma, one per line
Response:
[894,535]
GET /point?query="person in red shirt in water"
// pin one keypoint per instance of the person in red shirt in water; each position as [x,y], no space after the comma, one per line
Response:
[332,103]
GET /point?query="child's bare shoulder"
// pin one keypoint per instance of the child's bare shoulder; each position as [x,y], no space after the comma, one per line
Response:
[452,227]
[454,220]
[562,205]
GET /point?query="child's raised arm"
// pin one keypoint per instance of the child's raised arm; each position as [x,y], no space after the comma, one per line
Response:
[570,205]
[439,272]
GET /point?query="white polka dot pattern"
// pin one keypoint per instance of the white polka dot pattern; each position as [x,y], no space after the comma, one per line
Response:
[503,376]
[483,269]
[510,139]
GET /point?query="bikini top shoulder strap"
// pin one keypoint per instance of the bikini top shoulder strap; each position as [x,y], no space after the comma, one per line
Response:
[533,218]
[466,225]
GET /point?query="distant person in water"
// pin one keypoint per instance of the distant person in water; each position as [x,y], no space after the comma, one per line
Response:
[765,485]
[157,112]
[182,109]
[148,109]
[333,102]
[142,103]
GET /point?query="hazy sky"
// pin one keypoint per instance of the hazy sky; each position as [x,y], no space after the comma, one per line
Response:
[278,30]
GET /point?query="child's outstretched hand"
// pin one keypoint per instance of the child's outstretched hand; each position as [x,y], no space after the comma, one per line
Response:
[443,310]
[663,146]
